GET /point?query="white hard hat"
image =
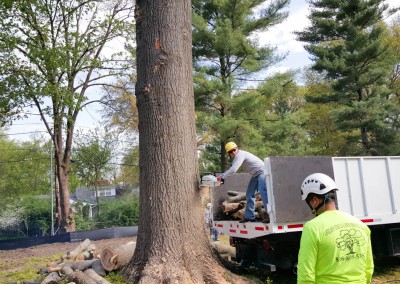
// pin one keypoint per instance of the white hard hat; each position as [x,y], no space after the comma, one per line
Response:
[318,184]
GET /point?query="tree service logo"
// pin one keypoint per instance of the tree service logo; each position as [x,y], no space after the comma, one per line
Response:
[348,241]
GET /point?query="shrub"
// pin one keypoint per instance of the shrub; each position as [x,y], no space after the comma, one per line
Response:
[118,212]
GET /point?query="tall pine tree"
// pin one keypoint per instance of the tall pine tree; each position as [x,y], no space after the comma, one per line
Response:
[226,54]
[345,40]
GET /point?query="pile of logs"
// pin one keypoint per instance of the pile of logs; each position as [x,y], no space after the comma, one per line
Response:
[83,266]
[235,204]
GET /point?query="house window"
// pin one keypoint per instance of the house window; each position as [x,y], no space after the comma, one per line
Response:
[107,192]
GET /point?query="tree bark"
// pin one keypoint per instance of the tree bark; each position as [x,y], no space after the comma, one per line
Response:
[92,274]
[63,164]
[52,278]
[77,276]
[172,245]
[78,250]
[96,266]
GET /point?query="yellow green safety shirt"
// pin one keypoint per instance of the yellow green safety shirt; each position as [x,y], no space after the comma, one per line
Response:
[335,248]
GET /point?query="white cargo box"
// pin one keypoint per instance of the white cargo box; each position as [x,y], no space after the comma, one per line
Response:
[369,188]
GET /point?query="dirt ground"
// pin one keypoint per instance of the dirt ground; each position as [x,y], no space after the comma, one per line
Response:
[386,271]
[53,249]
[23,263]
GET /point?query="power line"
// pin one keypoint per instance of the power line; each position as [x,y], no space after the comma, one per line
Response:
[21,161]
[42,159]
[22,124]
[21,149]
[23,133]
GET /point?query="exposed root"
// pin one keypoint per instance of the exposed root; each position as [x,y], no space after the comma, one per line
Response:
[201,271]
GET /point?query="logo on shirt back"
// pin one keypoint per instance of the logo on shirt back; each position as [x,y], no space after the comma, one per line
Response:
[348,242]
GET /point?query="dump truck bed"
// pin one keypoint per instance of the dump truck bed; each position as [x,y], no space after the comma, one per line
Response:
[369,188]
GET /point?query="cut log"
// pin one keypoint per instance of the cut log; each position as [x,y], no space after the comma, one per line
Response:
[233,193]
[90,251]
[77,276]
[81,278]
[264,216]
[237,198]
[78,250]
[223,248]
[116,257]
[80,265]
[52,278]
[47,270]
[239,214]
[96,266]
[68,272]
[92,274]
[258,204]
[231,207]
[75,265]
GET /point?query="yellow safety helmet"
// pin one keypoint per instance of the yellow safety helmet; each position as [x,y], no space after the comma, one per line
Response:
[229,146]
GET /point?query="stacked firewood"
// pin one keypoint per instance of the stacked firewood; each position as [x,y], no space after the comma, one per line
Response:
[234,206]
[83,266]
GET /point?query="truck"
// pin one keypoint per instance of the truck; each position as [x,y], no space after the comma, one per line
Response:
[368,188]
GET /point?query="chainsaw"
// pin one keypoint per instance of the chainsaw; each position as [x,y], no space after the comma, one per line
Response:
[211,180]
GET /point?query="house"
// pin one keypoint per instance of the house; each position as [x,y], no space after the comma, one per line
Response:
[87,196]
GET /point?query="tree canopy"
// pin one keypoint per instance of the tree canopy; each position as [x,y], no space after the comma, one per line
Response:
[51,54]
[346,41]
[225,52]
[24,168]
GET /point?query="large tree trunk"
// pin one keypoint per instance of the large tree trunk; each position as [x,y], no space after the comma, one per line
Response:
[63,165]
[172,245]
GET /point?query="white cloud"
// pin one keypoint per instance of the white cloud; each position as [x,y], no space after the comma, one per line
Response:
[282,36]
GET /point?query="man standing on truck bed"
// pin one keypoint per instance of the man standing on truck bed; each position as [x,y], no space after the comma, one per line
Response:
[254,166]
[335,247]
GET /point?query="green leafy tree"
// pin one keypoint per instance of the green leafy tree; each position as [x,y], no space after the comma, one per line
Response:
[92,154]
[37,212]
[282,130]
[120,110]
[24,168]
[393,40]
[346,43]
[325,138]
[225,55]
[51,54]
[129,174]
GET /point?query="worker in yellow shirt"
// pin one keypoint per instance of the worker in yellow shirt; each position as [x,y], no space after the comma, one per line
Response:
[335,247]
